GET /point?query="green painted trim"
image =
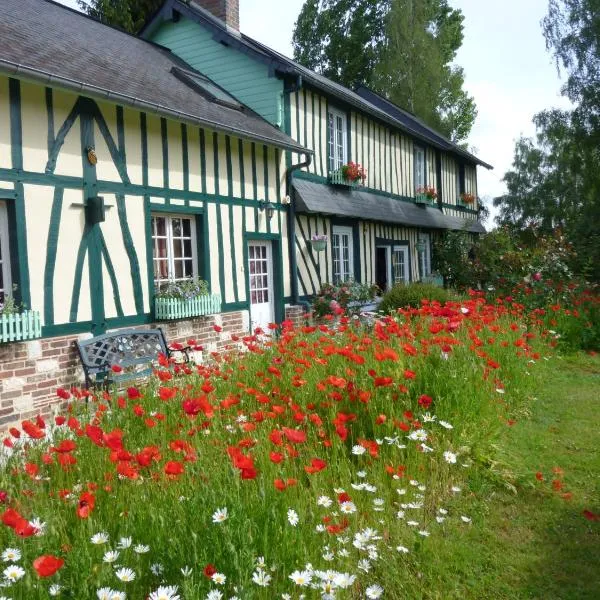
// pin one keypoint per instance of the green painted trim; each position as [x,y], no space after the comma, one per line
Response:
[117,156]
[312,114]
[50,118]
[349,135]
[175,208]
[144,140]
[111,274]
[266,182]
[229,166]
[203,161]
[242,168]
[89,111]
[112,187]
[234,273]
[245,256]
[460,208]
[288,125]
[327,141]
[134,264]
[255,235]
[234,306]
[59,140]
[185,157]
[216,161]
[121,135]
[149,251]
[53,232]
[297,138]
[164,136]
[201,250]
[305,253]
[20,224]
[81,252]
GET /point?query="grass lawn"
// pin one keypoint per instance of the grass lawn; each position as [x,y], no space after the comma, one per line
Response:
[528,541]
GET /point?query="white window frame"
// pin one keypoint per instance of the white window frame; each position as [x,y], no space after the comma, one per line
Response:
[419,174]
[425,256]
[335,162]
[405,252]
[6,291]
[170,247]
[342,276]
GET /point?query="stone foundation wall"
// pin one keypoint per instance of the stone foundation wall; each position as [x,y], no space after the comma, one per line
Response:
[30,372]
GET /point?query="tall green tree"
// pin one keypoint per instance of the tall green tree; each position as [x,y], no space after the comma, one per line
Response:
[129,15]
[555,179]
[402,49]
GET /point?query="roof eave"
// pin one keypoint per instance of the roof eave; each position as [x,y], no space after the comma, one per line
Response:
[43,77]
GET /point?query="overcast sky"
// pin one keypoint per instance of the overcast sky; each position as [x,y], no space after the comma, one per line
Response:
[507,68]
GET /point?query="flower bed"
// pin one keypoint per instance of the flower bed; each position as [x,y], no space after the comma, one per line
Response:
[307,466]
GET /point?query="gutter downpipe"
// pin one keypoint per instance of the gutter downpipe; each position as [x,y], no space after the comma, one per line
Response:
[292,232]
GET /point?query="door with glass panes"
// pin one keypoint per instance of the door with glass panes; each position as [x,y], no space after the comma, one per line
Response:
[260,272]
[400,265]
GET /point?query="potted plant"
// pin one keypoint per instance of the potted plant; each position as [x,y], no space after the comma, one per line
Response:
[467,199]
[17,323]
[318,242]
[185,298]
[426,195]
[351,174]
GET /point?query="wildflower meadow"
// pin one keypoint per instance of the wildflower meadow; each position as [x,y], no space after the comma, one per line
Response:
[326,461]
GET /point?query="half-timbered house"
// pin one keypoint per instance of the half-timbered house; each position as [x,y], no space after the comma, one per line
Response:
[121,167]
[380,232]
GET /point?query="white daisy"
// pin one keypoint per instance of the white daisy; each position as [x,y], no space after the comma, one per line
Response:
[402,549]
[111,556]
[141,548]
[374,591]
[220,515]
[124,542]
[440,519]
[186,571]
[320,528]
[301,578]
[445,424]
[54,589]
[98,539]
[358,450]
[450,457]
[465,519]
[261,578]
[361,474]
[292,517]
[13,573]
[348,507]
[125,574]
[364,565]
[423,532]
[218,578]
[343,580]
[455,489]
[325,501]
[214,595]
[442,511]
[165,592]
[107,593]
[11,555]
[156,569]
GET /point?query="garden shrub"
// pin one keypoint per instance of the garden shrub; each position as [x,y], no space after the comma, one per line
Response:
[411,295]
[337,299]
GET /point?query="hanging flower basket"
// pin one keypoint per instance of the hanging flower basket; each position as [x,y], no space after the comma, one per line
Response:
[318,243]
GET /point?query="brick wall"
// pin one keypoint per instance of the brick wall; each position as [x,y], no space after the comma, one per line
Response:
[295,314]
[30,372]
[226,10]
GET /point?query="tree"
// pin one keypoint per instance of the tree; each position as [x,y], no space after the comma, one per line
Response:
[402,49]
[555,180]
[129,15]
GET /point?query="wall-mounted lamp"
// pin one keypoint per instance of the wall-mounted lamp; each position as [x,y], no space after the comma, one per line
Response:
[421,245]
[270,208]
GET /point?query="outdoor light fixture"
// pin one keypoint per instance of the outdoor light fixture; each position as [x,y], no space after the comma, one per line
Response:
[270,208]
[421,245]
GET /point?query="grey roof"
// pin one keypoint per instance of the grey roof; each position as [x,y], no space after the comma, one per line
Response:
[57,46]
[312,197]
[407,122]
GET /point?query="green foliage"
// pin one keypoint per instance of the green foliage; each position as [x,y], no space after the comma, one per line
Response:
[186,289]
[411,295]
[452,258]
[402,49]
[129,15]
[8,304]
[554,180]
[337,299]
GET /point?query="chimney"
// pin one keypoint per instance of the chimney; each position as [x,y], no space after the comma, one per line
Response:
[226,10]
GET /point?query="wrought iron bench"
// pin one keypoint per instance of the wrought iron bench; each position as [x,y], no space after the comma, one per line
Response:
[133,350]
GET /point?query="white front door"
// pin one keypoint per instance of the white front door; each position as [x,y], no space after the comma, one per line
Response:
[260,270]
[400,264]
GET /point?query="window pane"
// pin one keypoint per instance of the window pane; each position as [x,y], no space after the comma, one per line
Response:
[176,225]
[187,227]
[177,249]
[188,267]
[160,224]
[187,248]
[178,269]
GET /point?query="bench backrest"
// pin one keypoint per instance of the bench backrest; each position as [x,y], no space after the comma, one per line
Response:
[125,348]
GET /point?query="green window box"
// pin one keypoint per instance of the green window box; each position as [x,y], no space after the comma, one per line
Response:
[183,308]
[18,327]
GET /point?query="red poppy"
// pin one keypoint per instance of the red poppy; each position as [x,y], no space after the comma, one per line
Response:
[295,436]
[32,430]
[209,570]
[316,465]
[62,393]
[133,393]
[173,468]
[47,565]
[276,457]
[425,401]
[86,504]
[590,516]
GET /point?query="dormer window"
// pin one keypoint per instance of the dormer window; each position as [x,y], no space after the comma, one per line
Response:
[338,139]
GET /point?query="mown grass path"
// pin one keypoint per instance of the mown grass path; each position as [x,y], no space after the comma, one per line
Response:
[531,542]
